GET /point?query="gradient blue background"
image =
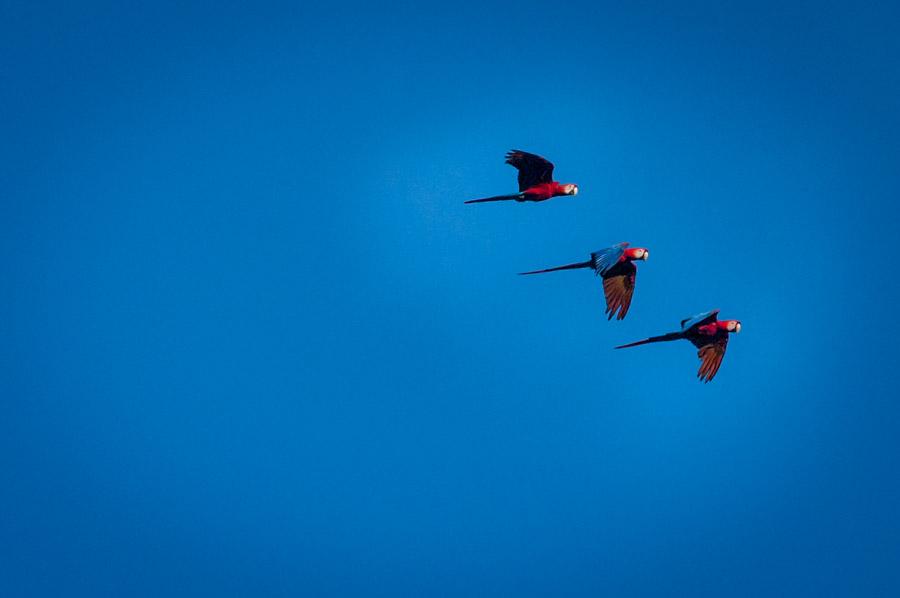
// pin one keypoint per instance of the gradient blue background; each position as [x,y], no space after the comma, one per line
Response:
[255,344]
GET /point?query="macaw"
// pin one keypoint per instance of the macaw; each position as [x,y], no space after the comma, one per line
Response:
[535,180]
[708,334]
[616,266]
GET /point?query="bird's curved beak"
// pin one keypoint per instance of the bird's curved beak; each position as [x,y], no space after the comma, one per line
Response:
[646,255]
[737,327]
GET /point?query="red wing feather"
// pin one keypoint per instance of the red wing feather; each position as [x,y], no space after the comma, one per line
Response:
[618,286]
[711,356]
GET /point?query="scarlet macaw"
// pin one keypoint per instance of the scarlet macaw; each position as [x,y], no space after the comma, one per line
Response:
[708,334]
[616,265]
[535,180]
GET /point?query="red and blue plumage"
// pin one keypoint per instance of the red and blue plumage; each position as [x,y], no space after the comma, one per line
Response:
[615,265]
[535,180]
[705,332]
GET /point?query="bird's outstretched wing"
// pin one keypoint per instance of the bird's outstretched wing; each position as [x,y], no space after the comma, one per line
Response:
[532,168]
[699,320]
[711,351]
[618,286]
[604,259]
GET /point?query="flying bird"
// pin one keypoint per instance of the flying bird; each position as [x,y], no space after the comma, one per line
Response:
[616,266]
[708,334]
[535,180]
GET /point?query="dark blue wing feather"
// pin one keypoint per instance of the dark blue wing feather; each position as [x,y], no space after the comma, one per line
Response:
[703,318]
[604,259]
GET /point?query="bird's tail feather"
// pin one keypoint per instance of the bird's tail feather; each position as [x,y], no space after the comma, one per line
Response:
[672,336]
[587,264]
[497,198]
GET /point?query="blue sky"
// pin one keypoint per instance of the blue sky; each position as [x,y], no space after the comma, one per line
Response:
[255,344]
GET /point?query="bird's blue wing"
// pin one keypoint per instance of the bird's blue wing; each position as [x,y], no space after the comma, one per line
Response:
[703,318]
[604,259]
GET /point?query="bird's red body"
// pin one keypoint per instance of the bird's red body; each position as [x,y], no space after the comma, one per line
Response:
[712,329]
[709,329]
[544,191]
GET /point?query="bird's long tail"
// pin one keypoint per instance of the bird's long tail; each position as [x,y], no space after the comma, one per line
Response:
[672,336]
[497,198]
[587,264]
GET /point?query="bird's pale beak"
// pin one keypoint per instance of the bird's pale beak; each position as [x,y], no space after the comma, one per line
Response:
[646,256]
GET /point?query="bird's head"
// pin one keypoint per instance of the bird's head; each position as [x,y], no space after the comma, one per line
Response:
[570,189]
[731,325]
[637,253]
